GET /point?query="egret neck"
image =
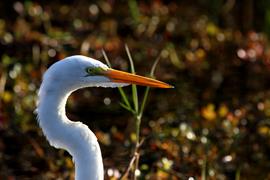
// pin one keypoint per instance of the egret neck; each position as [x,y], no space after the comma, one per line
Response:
[62,133]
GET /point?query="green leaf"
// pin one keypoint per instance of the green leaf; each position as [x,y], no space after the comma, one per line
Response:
[124,97]
[238,174]
[130,60]
[134,87]
[145,97]
[134,10]
[154,66]
[135,97]
[127,108]
[204,170]
[106,58]
[146,93]
[122,92]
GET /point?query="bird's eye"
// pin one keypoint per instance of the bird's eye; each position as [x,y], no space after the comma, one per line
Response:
[94,70]
[89,70]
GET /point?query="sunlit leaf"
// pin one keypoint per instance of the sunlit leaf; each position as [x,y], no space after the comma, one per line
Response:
[208,112]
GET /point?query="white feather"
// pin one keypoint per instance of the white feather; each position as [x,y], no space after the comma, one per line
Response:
[59,81]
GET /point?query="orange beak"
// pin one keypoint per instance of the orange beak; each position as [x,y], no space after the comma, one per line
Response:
[124,77]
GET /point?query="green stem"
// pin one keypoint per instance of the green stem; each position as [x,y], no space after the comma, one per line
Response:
[134,87]
[144,101]
[124,97]
[138,127]
[136,111]
[204,169]
[121,90]
[238,174]
[137,146]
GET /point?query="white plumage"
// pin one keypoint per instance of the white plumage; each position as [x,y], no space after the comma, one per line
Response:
[59,81]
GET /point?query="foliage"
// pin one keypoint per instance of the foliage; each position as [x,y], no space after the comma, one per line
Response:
[213,125]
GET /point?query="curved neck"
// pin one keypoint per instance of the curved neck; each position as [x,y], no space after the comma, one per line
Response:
[75,137]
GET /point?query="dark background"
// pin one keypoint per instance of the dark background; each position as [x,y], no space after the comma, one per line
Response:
[216,54]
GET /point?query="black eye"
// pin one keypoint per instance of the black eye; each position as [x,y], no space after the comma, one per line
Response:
[89,70]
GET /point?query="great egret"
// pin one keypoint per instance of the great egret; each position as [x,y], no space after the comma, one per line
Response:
[59,81]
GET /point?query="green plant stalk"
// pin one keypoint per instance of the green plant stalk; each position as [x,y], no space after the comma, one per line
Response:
[136,114]
[138,127]
[139,113]
[134,87]
[121,91]
[124,97]
[137,145]
[106,58]
[135,98]
[134,10]
[146,93]
[204,170]
[238,174]
[136,111]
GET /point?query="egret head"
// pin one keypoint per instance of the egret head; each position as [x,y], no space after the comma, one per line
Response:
[80,71]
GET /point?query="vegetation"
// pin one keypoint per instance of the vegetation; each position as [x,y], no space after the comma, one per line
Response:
[215,123]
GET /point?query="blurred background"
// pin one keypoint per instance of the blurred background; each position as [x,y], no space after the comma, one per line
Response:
[214,124]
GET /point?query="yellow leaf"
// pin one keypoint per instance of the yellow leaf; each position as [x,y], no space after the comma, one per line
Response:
[264,130]
[6,96]
[208,112]
[212,29]
[133,137]
[223,110]
[200,54]
[175,59]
